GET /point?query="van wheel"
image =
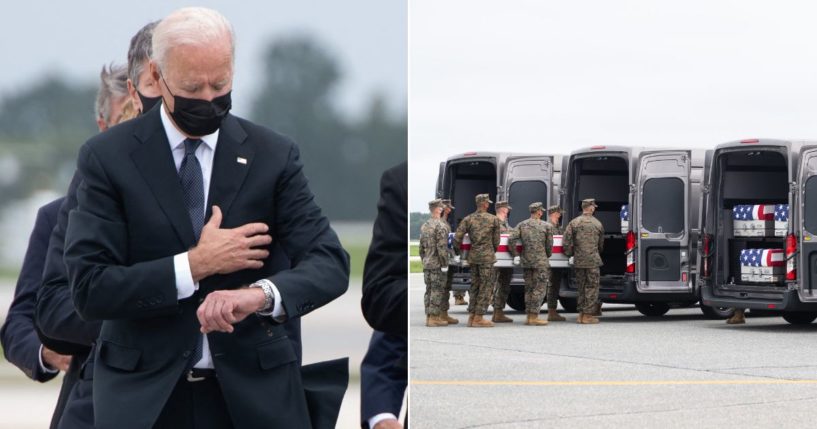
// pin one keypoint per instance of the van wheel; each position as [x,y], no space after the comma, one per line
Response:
[717,312]
[569,304]
[652,309]
[800,317]
[517,301]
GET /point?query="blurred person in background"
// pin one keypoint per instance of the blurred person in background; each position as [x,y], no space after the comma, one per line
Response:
[143,89]
[19,337]
[186,281]
[384,370]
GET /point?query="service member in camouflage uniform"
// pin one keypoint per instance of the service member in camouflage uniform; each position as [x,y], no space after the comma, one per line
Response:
[459,296]
[483,230]
[434,253]
[584,240]
[503,275]
[554,216]
[537,246]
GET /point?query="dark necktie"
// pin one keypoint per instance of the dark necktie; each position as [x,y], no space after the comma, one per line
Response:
[193,185]
[193,191]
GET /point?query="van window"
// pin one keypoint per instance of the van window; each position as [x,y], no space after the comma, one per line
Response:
[663,205]
[810,205]
[521,195]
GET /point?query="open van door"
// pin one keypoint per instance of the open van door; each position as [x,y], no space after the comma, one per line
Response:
[440,175]
[527,179]
[662,206]
[806,227]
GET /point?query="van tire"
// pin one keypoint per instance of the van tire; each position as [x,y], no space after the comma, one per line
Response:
[516,301]
[800,317]
[652,309]
[717,312]
[569,304]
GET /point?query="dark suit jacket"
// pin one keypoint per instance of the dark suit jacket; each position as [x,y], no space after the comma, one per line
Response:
[21,345]
[383,376]
[385,292]
[121,239]
[64,331]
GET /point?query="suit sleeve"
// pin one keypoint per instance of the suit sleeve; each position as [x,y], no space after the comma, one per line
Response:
[103,284]
[385,278]
[382,380]
[18,335]
[320,266]
[60,326]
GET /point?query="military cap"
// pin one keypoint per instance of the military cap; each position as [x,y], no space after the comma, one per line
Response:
[534,207]
[554,209]
[435,203]
[447,203]
[503,203]
[482,198]
[589,202]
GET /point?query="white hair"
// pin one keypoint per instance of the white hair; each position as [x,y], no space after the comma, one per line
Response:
[113,85]
[194,26]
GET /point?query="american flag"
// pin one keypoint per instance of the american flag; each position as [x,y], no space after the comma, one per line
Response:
[625,212]
[450,240]
[753,212]
[762,257]
[781,212]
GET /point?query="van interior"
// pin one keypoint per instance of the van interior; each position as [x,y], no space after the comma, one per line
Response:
[747,177]
[605,178]
[464,181]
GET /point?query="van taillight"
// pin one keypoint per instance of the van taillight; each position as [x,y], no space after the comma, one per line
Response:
[791,251]
[630,253]
[707,250]
[750,141]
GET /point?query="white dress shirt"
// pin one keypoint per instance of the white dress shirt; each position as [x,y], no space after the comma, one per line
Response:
[185,286]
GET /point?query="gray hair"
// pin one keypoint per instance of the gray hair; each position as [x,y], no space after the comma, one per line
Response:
[113,84]
[140,51]
[195,26]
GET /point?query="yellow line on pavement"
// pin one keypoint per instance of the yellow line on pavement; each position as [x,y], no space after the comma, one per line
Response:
[604,383]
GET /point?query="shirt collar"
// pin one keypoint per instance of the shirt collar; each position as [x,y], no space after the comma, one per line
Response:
[176,138]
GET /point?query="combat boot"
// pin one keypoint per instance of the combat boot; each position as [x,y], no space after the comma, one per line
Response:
[479,322]
[534,320]
[471,319]
[500,317]
[579,319]
[449,319]
[435,321]
[553,316]
[588,319]
[596,310]
[738,318]
[458,300]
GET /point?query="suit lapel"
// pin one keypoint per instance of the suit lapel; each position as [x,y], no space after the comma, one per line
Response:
[154,161]
[231,162]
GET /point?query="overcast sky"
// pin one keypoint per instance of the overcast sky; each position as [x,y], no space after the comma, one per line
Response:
[75,38]
[551,77]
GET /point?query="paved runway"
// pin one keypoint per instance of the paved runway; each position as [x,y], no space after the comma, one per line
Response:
[680,370]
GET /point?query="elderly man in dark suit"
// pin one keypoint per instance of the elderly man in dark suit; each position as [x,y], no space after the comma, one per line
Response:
[191,308]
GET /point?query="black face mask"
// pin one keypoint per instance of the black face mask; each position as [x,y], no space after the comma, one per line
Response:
[199,117]
[147,102]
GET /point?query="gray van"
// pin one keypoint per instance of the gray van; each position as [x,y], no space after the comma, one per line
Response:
[758,173]
[648,203]
[517,177]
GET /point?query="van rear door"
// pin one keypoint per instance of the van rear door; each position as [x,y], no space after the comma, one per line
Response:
[807,226]
[440,175]
[662,222]
[527,179]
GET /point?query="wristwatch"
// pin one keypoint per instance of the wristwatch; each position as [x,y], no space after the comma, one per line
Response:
[269,296]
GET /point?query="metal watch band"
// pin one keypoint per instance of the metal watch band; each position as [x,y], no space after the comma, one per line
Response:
[269,295]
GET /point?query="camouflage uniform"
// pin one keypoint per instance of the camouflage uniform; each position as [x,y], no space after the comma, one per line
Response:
[503,276]
[537,243]
[555,274]
[584,241]
[449,278]
[483,230]
[434,253]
